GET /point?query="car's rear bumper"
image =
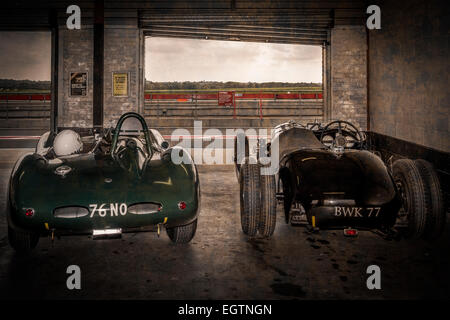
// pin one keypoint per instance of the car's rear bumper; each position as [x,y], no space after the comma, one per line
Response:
[88,232]
[44,222]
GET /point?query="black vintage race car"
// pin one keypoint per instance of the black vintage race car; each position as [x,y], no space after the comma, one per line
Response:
[327,178]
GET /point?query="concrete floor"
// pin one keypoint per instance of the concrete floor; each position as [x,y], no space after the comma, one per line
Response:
[220,262]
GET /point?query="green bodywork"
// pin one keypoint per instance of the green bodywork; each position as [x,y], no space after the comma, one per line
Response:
[97,179]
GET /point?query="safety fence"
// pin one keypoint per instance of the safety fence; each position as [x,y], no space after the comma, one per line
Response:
[32,110]
[232,104]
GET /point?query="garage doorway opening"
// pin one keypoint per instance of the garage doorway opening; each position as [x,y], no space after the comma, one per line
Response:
[25,82]
[269,83]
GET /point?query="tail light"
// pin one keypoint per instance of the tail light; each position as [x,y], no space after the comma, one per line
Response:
[29,212]
[181,205]
[350,232]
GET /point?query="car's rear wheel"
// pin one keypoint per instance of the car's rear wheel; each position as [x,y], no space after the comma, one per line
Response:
[182,234]
[250,198]
[242,154]
[267,217]
[412,191]
[436,216]
[22,241]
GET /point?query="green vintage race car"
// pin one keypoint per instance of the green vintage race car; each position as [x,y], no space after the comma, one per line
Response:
[118,180]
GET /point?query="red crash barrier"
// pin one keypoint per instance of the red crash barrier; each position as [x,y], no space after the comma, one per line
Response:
[182,97]
[238,96]
[40,97]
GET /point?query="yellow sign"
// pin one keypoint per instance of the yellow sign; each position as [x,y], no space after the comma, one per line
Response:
[120,84]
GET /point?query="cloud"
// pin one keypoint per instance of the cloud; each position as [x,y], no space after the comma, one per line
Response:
[170,59]
[25,55]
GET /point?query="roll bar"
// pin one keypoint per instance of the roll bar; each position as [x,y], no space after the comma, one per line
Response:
[119,126]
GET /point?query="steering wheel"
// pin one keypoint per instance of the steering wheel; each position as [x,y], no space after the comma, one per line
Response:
[342,133]
[130,144]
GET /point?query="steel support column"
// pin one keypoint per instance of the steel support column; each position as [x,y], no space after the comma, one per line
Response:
[54,72]
[99,34]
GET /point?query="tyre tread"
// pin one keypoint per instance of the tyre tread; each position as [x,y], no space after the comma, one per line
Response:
[267,218]
[407,171]
[436,216]
[182,234]
[250,198]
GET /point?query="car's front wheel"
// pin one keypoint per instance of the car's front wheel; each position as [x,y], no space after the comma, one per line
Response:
[182,234]
[22,241]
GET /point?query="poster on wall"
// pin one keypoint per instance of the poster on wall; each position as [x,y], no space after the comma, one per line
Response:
[120,84]
[78,83]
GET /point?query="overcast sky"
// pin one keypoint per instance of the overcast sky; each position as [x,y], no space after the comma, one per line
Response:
[26,55]
[169,59]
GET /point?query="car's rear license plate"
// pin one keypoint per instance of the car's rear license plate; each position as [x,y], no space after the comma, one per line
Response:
[357,212]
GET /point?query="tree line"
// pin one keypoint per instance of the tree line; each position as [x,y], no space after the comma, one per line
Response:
[16,85]
[202,85]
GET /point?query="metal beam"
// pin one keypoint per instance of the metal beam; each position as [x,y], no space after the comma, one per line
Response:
[99,34]
[241,38]
[293,32]
[236,34]
[54,72]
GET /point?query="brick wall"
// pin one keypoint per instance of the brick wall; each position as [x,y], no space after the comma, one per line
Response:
[409,96]
[76,50]
[349,74]
[121,55]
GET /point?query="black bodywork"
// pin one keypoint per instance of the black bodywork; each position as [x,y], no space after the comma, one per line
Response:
[333,183]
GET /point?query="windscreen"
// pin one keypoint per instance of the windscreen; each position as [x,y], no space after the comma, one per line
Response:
[296,139]
[131,127]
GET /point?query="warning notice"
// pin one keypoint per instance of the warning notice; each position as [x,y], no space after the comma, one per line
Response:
[78,83]
[226,98]
[120,84]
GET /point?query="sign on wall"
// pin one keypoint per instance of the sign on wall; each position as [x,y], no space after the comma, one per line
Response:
[120,84]
[225,98]
[78,83]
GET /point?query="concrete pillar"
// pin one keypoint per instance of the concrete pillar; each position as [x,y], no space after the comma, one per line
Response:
[349,74]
